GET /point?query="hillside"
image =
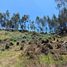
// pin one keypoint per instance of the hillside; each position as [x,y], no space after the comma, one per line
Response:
[30,49]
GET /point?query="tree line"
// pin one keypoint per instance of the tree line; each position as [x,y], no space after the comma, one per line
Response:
[55,24]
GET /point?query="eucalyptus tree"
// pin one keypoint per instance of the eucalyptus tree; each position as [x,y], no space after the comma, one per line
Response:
[24,19]
[41,23]
[62,18]
[55,23]
[52,22]
[44,23]
[32,26]
[15,19]
[7,19]
[61,3]
[1,19]
[49,23]
[37,23]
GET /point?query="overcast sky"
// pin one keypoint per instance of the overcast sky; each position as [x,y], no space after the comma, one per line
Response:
[32,7]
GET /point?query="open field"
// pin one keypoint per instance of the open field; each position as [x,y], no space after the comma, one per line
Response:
[13,55]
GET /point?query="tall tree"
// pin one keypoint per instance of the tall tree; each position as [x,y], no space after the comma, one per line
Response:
[32,26]
[41,23]
[62,5]
[49,23]
[7,19]
[15,19]
[1,19]
[24,19]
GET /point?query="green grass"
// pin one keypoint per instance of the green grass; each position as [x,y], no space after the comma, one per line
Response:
[46,59]
[17,36]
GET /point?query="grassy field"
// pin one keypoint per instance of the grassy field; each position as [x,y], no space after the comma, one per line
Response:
[15,58]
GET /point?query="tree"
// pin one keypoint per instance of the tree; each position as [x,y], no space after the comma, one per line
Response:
[49,23]
[15,20]
[37,22]
[61,4]
[1,19]
[55,23]
[41,23]
[24,19]
[7,19]
[62,18]
[32,26]
[7,14]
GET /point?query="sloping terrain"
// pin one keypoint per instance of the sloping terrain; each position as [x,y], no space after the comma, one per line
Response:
[30,49]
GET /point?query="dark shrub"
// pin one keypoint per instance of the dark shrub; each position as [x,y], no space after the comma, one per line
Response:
[7,46]
[17,43]
[23,41]
[50,38]
[24,37]
[45,50]
[38,46]
[45,41]
[30,54]
[53,38]
[0,40]
[58,46]
[51,42]
[11,44]
[52,52]
[49,46]
[21,48]
[34,33]
[57,40]
[24,30]
[40,38]
[30,42]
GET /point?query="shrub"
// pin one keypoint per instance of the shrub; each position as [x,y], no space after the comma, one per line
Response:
[21,48]
[11,44]
[7,46]
[45,50]
[17,43]
[45,41]
[23,41]
[49,46]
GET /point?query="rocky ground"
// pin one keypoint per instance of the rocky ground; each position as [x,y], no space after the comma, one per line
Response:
[30,49]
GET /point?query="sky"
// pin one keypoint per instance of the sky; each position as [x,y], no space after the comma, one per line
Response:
[30,7]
